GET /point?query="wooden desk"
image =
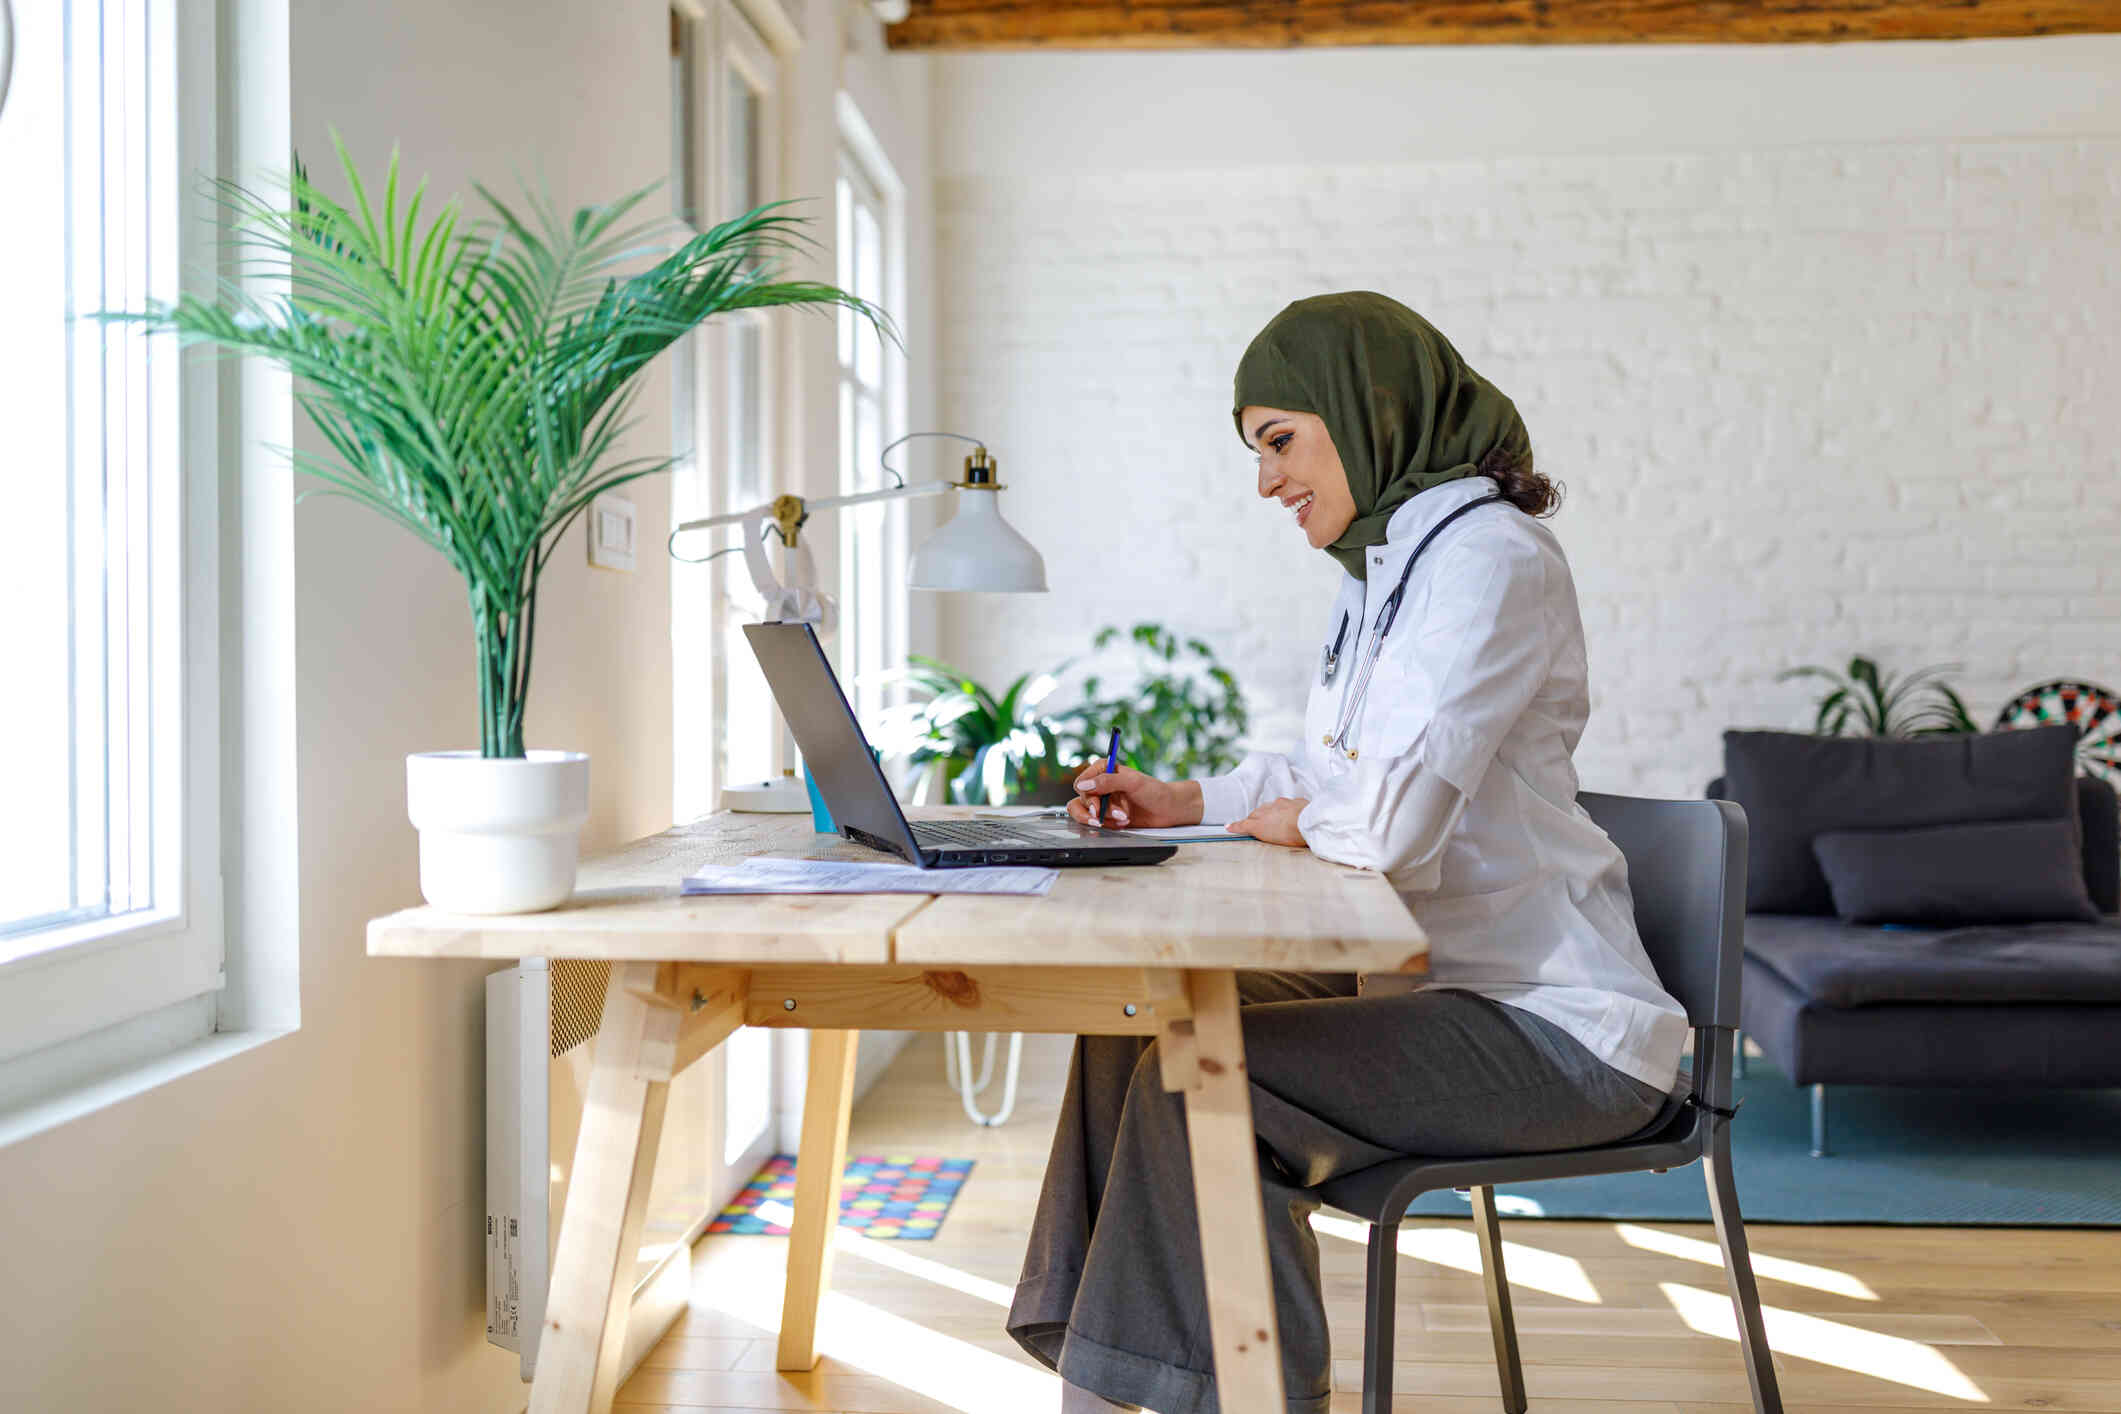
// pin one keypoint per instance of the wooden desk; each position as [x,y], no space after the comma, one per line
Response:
[1117,951]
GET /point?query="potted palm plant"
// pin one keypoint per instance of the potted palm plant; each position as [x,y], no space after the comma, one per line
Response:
[471,380]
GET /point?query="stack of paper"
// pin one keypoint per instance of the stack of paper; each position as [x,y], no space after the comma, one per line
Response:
[833,876]
[1184,834]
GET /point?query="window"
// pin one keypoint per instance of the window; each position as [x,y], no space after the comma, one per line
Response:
[693,747]
[751,745]
[871,402]
[110,847]
[725,142]
[726,86]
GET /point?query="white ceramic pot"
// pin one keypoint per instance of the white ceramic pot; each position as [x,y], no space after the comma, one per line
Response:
[497,835]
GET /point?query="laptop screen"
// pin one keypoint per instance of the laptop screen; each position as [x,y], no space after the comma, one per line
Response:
[834,749]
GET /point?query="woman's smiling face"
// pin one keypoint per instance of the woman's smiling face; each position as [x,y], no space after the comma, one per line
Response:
[1299,467]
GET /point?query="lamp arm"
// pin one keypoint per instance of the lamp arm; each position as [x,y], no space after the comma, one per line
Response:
[889,493]
[7,48]
[823,503]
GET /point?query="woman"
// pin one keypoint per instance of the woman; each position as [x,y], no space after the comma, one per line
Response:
[1444,764]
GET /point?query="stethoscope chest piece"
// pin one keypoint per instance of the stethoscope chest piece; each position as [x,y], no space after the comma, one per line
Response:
[1329,656]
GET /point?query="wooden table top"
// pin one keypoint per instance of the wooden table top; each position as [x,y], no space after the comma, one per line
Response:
[1235,904]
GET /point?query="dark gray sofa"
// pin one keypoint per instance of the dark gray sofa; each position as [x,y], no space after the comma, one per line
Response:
[2033,1004]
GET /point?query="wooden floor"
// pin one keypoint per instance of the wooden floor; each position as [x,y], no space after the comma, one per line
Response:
[1616,1318]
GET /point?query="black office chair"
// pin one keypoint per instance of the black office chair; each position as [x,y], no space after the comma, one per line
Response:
[1686,867]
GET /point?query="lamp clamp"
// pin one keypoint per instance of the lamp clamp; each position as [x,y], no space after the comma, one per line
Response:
[789,514]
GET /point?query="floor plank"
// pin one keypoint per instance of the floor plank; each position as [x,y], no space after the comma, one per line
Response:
[1614,1318]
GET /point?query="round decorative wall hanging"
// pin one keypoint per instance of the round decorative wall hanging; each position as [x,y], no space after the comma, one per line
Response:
[2093,710]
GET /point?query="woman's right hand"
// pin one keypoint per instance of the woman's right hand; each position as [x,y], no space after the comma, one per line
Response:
[1127,799]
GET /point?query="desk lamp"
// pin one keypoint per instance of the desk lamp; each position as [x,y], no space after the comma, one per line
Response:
[976,550]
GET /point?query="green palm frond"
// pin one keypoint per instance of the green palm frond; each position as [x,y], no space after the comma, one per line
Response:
[993,746]
[1916,703]
[473,380]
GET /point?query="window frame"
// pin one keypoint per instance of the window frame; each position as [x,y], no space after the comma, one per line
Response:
[861,162]
[719,45]
[96,994]
[725,47]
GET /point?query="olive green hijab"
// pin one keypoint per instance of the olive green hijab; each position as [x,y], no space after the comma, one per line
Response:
[1404,411]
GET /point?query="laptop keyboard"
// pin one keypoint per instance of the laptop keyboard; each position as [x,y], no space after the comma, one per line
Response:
[978,833]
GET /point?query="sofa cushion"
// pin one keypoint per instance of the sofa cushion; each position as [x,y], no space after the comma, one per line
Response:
[1795,787]
[1935,1043]
[2012,871]
[2098,820]
[1849,965]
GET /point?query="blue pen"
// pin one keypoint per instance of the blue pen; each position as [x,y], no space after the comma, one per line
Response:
[1111,766]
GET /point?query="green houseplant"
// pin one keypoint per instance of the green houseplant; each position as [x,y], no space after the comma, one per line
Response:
[1868,701]
[1181,716]
[994,747]
[471,379]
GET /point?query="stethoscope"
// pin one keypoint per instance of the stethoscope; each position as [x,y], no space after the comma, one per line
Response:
[1329,660]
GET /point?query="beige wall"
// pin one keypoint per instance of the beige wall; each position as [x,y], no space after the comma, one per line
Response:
[298,1227]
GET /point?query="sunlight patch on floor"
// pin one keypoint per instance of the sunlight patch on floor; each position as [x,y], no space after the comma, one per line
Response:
[941,1367]
[895,1256]
[875,1342]
[1708,1254]
[1551,1272]
[1829,1342]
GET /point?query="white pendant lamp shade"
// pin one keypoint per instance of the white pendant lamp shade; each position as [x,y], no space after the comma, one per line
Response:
[978,550]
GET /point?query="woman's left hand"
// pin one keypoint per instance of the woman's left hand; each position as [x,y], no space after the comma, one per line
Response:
[1274,823]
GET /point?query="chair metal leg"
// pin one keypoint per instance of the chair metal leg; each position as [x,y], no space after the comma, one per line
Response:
[1818,1121]
[1501,1323]
[1377,1333]
[1738,1268]
[958,1044]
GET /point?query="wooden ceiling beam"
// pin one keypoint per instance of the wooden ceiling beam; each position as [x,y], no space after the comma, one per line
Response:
[1294,24]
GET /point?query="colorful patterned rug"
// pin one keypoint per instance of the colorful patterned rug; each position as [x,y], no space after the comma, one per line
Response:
[901,1197]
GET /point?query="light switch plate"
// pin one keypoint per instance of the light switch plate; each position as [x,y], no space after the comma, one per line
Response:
[611,526]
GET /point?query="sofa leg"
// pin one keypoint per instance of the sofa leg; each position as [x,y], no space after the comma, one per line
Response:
[1818,1121]
[1738,1055]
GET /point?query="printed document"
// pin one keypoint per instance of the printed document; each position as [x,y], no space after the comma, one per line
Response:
[834,876]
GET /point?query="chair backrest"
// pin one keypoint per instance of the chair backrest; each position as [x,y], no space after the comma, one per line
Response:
[1686,869]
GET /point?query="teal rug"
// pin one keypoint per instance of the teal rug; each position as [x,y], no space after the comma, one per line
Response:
[1956,1158]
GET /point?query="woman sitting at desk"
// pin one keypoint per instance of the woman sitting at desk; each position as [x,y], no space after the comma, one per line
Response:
[1436,750]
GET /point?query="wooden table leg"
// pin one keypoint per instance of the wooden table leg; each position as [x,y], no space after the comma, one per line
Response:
[1233,1229]
[819,1162]
[607,1197]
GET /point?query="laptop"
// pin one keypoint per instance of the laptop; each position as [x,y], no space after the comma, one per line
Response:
[861,801]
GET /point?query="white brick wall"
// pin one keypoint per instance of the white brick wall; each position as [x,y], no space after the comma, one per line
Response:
[1805,401]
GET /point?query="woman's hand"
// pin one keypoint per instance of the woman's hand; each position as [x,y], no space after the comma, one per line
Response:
[1274,823]
[1127,799]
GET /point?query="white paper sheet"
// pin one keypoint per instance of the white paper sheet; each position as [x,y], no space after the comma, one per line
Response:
[1184,834]
[831,876]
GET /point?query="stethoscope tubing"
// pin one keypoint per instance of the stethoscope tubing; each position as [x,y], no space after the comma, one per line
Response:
[1351,705]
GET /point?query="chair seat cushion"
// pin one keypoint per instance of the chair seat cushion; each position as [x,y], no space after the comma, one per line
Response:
[1849,965]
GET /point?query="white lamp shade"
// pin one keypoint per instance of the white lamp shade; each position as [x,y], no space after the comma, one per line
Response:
[978,550]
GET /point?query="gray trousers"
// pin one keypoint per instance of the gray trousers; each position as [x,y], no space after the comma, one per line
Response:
[1112,1295]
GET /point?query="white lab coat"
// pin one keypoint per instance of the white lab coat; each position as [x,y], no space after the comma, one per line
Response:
[1462,791]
